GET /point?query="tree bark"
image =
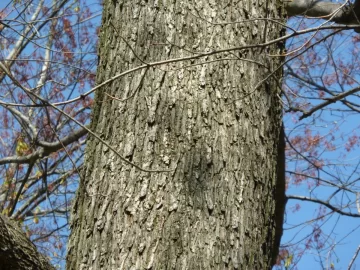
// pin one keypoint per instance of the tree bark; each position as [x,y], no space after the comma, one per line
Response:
[16,250]
[206,122]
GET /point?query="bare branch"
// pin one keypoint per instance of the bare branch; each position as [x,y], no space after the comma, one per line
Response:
[325,203]
[24,121]
[354,257]
[18,49]
[45,149]
[329,101]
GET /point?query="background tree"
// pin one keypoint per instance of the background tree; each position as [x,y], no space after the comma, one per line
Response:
[321,101]
[48,48]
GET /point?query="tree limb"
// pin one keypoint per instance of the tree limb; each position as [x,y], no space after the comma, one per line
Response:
[16,250]
[344,13]
[46,148]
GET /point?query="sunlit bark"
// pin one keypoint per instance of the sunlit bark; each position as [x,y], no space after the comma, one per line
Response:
[213,122]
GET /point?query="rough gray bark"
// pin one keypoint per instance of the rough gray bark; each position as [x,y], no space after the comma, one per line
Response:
[342,13]
[16,250]
[216,209]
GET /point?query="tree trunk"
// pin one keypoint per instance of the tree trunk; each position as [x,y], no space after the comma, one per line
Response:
[206,123]
[16,250]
